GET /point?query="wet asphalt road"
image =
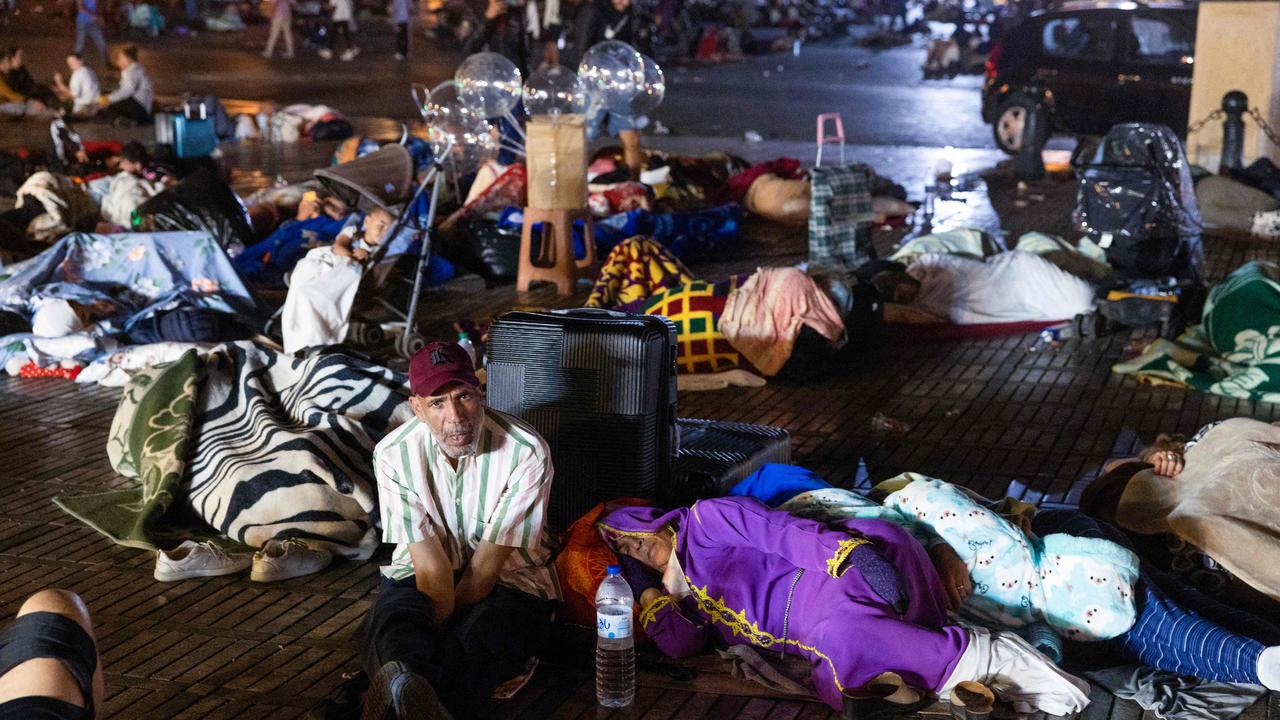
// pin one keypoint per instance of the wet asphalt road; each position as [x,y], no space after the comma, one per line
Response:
[880,95]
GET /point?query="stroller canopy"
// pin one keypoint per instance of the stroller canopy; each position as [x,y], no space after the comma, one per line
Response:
[383,178]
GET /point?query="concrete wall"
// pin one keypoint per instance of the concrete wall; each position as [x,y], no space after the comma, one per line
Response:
[1237,48]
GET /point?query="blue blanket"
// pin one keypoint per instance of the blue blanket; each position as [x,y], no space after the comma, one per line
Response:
[139,273]
[686,235]
[265,263]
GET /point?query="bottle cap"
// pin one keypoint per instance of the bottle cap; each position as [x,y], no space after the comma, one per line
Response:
[463,335]
[613,570]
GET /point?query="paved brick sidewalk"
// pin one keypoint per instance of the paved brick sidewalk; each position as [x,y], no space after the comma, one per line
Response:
[985,413]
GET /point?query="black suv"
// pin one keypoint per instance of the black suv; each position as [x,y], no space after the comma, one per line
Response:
[1102,63]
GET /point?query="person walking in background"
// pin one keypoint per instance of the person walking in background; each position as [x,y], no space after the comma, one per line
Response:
[340,27]
[602,20]
[506,32]
[131,101]
[81,92]
[89,25]
[281,25]
[402,16]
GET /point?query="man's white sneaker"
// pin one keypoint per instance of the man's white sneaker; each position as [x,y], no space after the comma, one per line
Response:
[284,559]
[399,56]
[325,53]
[192,559]
[349,54]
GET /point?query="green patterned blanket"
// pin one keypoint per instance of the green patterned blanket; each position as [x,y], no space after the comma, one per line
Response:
[153,450]
[1235,351]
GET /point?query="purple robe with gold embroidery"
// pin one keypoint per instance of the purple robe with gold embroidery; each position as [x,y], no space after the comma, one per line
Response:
[741,561]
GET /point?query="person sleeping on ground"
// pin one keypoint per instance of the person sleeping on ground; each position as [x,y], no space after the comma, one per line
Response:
[1010,565]
[322,288]
[1007,287]
[858,598]
[1203,509]
[1232,352]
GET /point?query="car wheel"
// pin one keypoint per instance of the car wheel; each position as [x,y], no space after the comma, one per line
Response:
[1011,118]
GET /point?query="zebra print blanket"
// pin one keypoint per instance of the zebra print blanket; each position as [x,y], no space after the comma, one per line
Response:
[271,447]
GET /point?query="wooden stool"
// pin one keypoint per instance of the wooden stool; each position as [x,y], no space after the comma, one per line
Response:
[555,262]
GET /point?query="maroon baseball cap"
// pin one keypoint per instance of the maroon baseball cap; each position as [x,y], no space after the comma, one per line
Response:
[439,364]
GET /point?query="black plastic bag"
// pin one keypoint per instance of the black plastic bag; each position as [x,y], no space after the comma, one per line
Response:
[1261,174]
[13,172]
[499,250]
[482,247]
[200,202]
[334,129]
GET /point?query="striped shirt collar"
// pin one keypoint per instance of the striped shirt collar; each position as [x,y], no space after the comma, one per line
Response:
[499,495]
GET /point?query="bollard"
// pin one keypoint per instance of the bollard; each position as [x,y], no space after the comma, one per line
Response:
[1028,165]
[1234,104]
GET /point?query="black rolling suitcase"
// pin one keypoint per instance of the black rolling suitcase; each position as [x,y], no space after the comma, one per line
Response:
[715,455]
[600,387]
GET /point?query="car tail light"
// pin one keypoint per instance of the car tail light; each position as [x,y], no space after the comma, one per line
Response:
[993,60]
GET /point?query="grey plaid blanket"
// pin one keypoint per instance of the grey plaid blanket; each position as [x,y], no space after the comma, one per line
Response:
[841,202]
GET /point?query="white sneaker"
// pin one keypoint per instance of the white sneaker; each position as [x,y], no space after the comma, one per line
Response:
[399,56]
[349,54]
[192,559]
[284,559]
[325,53]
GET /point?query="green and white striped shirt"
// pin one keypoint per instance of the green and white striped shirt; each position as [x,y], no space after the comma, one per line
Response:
[499,494]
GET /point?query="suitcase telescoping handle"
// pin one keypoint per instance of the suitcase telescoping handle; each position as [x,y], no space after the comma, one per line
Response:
[188,107]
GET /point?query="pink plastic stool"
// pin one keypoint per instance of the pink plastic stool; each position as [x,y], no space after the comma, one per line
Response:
[824,139]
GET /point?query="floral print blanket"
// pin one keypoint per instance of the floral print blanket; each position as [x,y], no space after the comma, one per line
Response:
[139,274]
[1234,351]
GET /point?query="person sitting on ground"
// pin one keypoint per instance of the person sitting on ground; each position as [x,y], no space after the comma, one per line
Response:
[49,666]
[613,20]
[10,96]
[130,103]
[322,288]
[1008,287]
[465,602]
[80,94]
[19,78]
[857,598]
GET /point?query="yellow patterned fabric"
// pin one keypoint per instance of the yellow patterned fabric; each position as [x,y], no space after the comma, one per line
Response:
[695,308]
[737,621]
[635,269]
[650,612]
[842,554]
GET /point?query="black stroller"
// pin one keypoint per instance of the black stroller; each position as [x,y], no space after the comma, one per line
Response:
[1136,200]
[385,178]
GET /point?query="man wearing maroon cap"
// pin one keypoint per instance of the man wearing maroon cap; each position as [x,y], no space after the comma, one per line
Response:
[462,491]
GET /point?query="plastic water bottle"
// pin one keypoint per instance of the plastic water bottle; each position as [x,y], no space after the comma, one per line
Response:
[464,342]
[615,649]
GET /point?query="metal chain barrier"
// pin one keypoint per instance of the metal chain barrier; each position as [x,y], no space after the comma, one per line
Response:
[1254,113]
[1264,126]
[1215,115]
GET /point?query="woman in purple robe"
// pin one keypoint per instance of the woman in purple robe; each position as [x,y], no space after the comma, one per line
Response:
[857,599]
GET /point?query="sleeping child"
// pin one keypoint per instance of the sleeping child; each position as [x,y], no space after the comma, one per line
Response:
[322,288]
